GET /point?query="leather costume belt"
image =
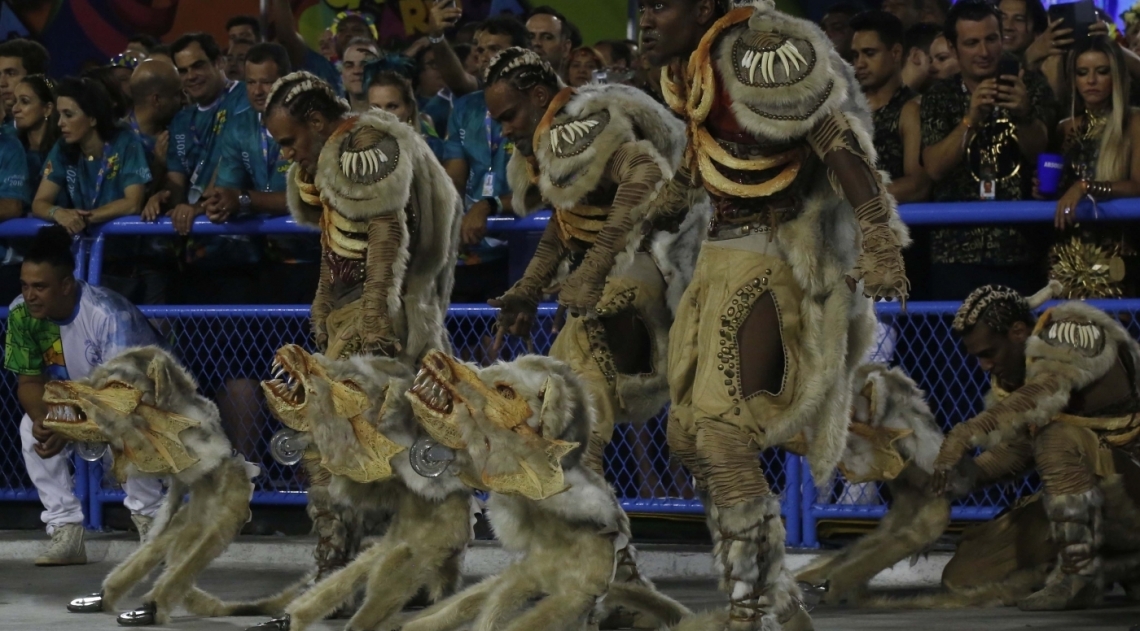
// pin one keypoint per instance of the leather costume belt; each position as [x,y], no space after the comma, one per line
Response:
[736,217]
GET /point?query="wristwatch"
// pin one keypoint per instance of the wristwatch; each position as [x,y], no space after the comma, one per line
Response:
[244,202]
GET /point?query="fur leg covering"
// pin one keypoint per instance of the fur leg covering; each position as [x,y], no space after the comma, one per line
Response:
[1077,581]
[749,554]
[336,529]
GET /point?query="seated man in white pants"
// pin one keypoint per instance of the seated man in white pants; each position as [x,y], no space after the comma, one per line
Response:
[60,328]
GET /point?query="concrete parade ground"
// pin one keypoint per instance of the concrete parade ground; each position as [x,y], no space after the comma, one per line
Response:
[34,599]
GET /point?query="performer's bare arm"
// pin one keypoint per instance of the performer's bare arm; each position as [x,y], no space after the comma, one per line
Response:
[518,306]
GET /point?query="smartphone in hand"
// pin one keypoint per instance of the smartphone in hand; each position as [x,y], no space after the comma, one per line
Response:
[1078,16]
[1008,66]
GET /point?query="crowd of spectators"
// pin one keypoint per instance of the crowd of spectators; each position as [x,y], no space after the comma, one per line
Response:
[175,130]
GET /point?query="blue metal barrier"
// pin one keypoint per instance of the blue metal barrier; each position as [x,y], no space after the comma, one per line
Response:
[229,347]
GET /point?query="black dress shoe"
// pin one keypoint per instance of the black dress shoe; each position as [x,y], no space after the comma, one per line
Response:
[87,604]
[276,624]
[142,617]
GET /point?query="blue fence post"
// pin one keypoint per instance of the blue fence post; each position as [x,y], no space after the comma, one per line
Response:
[95,266]
[94,496]
[793,500]
[79,483]
[808,536]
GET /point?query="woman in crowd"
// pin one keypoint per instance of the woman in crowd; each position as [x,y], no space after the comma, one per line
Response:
[1101,140]
[584,62]
[387,87]
[37,122]
[98,163]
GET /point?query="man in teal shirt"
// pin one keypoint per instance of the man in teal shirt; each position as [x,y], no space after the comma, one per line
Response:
[15,195]
[195,147]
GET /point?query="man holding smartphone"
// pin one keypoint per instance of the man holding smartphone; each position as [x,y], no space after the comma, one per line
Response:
[981,132]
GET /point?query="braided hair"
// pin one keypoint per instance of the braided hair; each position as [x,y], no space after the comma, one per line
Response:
[302,93]
[523,69]
[996,306]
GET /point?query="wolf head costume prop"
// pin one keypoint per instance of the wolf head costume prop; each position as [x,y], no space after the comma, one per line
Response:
[145,406]
[518,430]
[361,425]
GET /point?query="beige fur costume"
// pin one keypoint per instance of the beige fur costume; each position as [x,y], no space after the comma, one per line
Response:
[602,153]
[389,220]
[1077,408]
[146,407]
[518,430]
[784,165]
[894,438]
[356,414]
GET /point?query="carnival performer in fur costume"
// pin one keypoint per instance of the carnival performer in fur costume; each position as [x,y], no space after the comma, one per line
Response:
[389,220]
[145,406]
[597,155]
[519,430]
[1066,394]
[355,412]
[778,314]
[893,439]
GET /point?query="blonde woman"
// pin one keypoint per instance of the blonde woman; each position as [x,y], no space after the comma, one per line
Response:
[1101,140]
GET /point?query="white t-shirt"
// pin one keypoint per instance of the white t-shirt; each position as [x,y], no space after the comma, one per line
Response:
[103,325]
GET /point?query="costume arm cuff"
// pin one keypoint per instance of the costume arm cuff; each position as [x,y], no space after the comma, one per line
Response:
[385,236]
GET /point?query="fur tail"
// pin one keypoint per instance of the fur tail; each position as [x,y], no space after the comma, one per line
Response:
[203,604]
[647,601]
[1004,594]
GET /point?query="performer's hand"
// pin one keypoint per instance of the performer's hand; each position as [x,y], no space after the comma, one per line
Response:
[516,317]
[883,275]
[961,480]
[953,450]
[380,340]
[50,447]
[41,433]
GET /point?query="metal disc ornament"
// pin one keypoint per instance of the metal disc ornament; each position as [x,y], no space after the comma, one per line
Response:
[429,458]
[91,452]
[287,446]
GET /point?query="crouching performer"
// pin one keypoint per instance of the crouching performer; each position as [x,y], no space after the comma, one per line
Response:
[356,414]
[1066,397]
[146,408]
[519,430]
[388,216]
[893,439]
[779,313]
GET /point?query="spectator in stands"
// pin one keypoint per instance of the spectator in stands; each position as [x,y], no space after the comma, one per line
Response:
[61,328]
[37,122]
[617,54]
[15,193]
[156,92]
[350,25]
[550,37]
[943,60]
[432,96]
[357,53]
[835,25]
[162,53]
[876,47]
[980,141]
[1021,22]
[493,35]
[251,179]
[141,45]
[18,59]
[466,55]
[917,70]
[235,60]
[243,28]
[301,56]
[120,102]
[907,11]
[584,62]
[388,88]
[475,156]
[195,148]
[934,12]
[100,164]
[1101,141]
[121,68]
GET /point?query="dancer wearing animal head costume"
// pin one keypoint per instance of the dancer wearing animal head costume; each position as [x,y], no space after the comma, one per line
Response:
[598,155]
[1067,383]
[778,314]
[388,217]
